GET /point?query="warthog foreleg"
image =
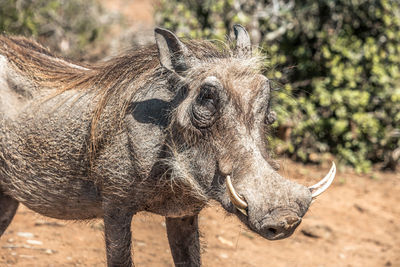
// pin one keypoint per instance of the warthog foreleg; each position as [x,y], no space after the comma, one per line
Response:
[117,227]
[183,237]
[8,207]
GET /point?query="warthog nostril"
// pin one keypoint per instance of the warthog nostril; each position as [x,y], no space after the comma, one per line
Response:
[272,231]
[281,228]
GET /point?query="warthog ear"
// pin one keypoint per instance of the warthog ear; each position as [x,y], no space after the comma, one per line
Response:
[174,55]
[243,44]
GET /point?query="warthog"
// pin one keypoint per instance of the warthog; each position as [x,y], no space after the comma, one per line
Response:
[165,129]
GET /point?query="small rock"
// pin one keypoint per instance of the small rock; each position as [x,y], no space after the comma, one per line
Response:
[225,241]
[140,244]
[34,242]
[25,234]
[49,251]
[10,240]
[223,255]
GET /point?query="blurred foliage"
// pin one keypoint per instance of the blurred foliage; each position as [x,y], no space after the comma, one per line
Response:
[66,26]
[336,64]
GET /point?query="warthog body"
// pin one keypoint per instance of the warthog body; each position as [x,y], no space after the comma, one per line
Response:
[162,129]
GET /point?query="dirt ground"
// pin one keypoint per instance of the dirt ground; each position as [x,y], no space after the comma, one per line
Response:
[355,223]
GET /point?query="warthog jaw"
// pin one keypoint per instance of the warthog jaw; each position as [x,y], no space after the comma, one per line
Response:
[240,203]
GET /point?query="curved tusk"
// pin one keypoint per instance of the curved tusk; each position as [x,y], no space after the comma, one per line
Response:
[237,200]
[322,185]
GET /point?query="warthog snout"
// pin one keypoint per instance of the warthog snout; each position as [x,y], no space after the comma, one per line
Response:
[274,206]
[279,224]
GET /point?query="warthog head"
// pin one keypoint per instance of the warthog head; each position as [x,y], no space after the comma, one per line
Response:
[218,134]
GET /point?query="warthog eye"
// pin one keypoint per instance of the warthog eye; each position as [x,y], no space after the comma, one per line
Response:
[208,98]
[205,107]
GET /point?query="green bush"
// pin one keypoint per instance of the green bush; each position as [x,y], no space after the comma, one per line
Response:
[336,64]
[66,26]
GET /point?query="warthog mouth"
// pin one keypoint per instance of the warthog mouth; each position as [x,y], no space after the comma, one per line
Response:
[240,202]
